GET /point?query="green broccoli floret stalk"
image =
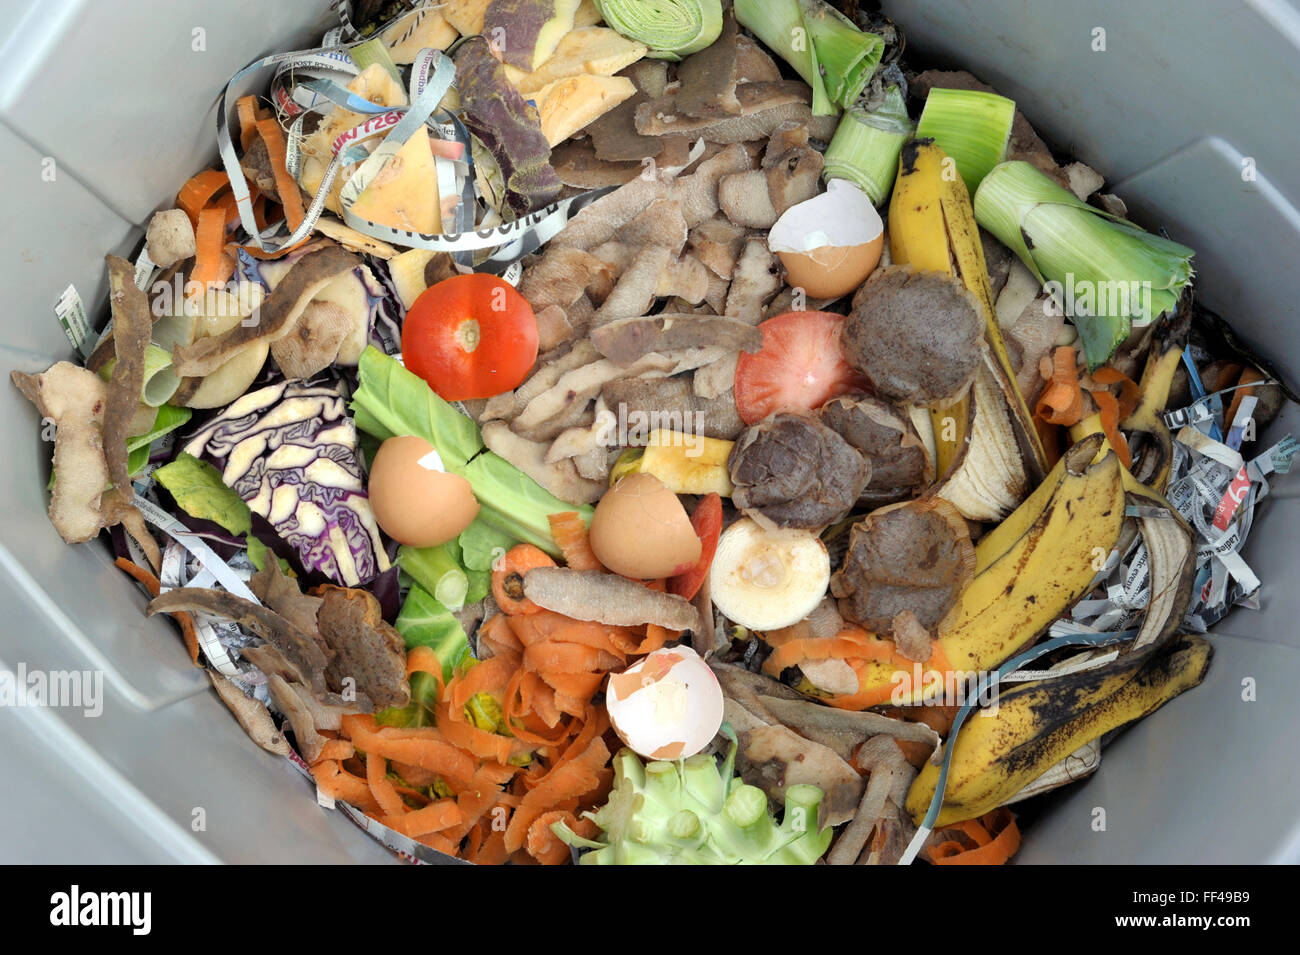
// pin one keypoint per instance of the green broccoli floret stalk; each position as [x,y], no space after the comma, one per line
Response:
[695,812]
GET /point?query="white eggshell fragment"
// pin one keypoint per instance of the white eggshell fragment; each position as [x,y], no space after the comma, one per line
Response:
[667,706]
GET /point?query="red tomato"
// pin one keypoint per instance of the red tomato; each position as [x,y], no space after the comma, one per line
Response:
[470,336]
[707,521]
[799,367]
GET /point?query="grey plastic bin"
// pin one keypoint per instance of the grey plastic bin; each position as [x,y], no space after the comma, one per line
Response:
[116,97]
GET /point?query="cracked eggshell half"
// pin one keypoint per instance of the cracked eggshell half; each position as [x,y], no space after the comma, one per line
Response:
[830,243]
[667,706]
[415,501]
[641,530]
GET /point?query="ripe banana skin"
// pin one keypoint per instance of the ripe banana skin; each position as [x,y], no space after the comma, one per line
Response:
[1042,573]
[999,540]
[992,457]
[1036,725]
[1170,546]
[1149,435]
[1030,577]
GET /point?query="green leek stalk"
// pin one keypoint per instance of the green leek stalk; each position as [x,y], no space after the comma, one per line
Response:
[371,52]
[160,378]
[846,56]
[866,146]
[971,126]
[437,571]
[671,28]
[1103,271]
[832,55]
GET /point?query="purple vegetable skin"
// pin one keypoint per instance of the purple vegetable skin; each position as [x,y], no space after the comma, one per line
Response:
[290,451]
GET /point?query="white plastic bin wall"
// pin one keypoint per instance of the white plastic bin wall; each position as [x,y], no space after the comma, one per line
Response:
[108,106]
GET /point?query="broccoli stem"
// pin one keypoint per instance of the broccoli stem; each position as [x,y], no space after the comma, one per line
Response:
[747,806]
[700,778]
[801,804]
[684,824]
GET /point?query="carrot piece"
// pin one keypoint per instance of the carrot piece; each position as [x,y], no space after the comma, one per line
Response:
[508,582]
[974,831]
[938,659]
[1129,392]
[863,699]
[842,647]
[551,655]
[436,840]
[474,801]
[544,845]
[436,755]
[996,850]
[1062,399]
[1249,376]
[154,586]
[339,749]
[290,197]
[536,627]
[573,779]
[210,239]
[517,711]
[594,723]
[487,676]
[425,660]
[381,787]
[246,108]
[492,851]
[655,637]
[259,212]
[1109,409]
[338,783]
[469,737]
[496,634]
[570,533]
[581,685]
[569,704]
[613,640]
[435,817]
[199,191]
[543,700]
[414,774]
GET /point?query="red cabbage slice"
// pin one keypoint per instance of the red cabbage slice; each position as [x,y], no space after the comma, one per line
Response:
[289,450]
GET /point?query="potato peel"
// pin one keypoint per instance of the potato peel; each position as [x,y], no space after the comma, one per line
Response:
[276,317]
[132,328]
[74,398]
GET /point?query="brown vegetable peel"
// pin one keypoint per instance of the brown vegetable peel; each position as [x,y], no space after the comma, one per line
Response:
[305,651]
[74,399]
[252,715]
[367,650]
[607,598]
[275,318]
[132,327]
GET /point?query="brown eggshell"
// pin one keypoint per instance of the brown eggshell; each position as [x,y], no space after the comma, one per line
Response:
[832,271]
[641,530]
[415,502]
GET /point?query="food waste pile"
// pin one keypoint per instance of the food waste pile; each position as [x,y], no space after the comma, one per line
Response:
[617,433]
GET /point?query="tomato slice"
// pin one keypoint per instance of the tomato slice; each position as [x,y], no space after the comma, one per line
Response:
[470,336]
[707,521]
[799,367]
